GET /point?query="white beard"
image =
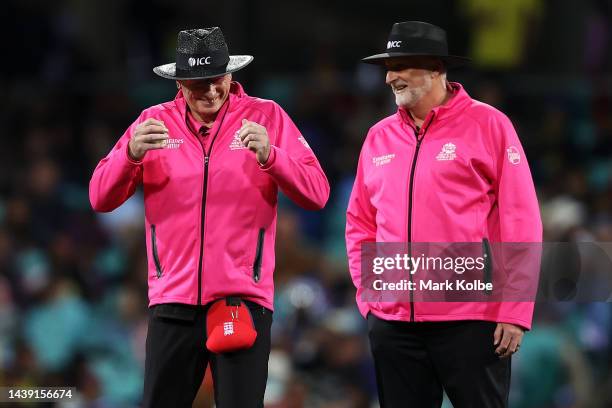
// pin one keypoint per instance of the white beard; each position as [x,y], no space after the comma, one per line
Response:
[409,97]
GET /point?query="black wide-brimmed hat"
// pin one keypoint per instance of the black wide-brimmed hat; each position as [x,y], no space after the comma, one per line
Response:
[416,39]
[202,53]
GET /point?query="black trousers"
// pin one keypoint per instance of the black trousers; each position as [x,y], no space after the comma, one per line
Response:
[415,362]
[176,360]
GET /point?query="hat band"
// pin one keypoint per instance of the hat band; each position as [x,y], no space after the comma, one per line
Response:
[416,46]
[201,72]
[208,61]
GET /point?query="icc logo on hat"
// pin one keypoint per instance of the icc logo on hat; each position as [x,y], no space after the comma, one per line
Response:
[198,61]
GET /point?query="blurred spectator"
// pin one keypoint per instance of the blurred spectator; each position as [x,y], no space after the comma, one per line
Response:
[501,31]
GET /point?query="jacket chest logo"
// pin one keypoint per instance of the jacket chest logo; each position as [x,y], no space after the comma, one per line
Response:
[447,152]
[236,143]
[382,160]
[174,143]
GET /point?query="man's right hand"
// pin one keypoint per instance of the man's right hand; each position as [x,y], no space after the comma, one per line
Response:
[149,135]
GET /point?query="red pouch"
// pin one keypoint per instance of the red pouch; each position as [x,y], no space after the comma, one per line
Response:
[229,326]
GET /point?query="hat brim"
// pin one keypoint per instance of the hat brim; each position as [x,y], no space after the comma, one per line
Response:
[450,61]
[235,63]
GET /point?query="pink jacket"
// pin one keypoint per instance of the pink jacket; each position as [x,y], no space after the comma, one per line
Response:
[210,217]
[461,177]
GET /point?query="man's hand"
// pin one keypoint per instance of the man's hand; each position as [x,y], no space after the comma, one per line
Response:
[149,135]
[255,137]
[507,339]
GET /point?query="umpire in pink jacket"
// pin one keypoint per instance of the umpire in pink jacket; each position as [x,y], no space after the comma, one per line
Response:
[444,168]
[211,162]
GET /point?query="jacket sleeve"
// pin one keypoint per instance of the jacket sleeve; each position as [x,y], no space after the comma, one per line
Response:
[360,228]
[517,228]
[116,176]
[293,165]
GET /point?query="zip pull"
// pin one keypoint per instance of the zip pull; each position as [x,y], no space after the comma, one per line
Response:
[417,135]
[205,160]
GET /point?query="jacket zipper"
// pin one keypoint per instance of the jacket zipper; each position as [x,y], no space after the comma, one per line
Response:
[488,263]
[204,193]
[258,255]
[417,130]
[158,267]
[202,215]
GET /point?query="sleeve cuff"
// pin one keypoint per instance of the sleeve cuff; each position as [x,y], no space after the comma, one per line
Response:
[129,158]
[271,159]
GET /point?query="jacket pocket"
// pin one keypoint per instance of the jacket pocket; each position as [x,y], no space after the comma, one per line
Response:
[258,255]
[487,271]
[158,267]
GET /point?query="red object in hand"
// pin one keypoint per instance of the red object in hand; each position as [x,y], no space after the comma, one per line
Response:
[229,326]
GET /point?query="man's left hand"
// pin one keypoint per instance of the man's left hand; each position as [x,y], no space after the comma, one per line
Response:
[255,137]
[507,339]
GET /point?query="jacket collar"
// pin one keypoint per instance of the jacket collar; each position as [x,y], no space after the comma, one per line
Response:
[454,106]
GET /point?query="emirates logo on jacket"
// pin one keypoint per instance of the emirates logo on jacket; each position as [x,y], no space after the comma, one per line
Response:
[382,160]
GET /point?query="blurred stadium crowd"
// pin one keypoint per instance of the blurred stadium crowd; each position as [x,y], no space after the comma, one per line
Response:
[76,74]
